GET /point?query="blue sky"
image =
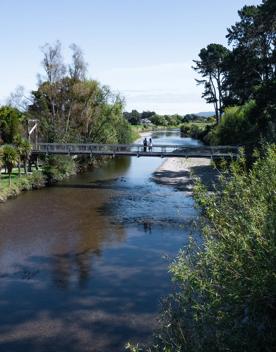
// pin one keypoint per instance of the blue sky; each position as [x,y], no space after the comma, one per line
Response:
[141,48]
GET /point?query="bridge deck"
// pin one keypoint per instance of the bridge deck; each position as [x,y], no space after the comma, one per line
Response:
[139,150]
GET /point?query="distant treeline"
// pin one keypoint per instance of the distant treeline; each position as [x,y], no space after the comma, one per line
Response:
[150,117]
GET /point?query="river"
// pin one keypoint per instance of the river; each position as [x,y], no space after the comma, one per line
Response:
[83,264]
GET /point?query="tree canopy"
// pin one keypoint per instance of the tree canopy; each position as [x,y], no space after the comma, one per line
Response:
[72,108]
[247,70]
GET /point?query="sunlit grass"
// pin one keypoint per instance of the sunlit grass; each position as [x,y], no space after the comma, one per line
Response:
[4,181]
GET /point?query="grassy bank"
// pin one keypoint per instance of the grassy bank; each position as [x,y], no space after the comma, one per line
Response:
[54,169]
[142,128]
[34,180]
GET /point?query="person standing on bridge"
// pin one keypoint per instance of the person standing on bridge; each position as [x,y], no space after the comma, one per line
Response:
[150,145]
[145,142]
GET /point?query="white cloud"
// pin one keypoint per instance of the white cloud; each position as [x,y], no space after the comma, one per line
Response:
[164,88]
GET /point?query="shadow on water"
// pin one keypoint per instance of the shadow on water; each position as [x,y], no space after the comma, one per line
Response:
[86,305]
[100,184]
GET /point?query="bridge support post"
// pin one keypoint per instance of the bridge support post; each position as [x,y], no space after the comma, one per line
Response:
[36,162]
[32,130]
[30,166]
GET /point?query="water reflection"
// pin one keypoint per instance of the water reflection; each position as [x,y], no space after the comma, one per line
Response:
[147,226]
[81,264]
[66,265]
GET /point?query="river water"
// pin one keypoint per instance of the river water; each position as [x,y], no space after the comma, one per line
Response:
[83,265]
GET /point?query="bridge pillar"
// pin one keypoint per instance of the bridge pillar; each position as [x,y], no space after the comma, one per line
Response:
[32,129]
[30,166]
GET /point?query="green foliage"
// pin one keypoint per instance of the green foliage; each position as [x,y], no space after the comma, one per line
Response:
[10,158]
[265,111]
[194,118]
[1,160]
[244,73]
[211,119]
[174,120]
[211,67]
[56,168]
[159,120]
[253,38]
[72,108]
[24,149]
[11,125]
[36,179]
[31,181]
[124,132]
[148,118]
[235,127]
[225,284]
[134,117]
[195,130]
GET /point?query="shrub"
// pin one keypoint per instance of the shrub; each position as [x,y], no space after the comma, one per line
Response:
[235,126]
[37,180]
[197,131]
[226,286]
[23,184]
[56,168]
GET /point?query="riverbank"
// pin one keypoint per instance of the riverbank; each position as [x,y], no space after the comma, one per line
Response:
[181,173]
[56,169]
[19,184]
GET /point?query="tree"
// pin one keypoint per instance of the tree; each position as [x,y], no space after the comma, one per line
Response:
[253,59]
[174,120]
[252,64]
[255,34]
[211,68]
[24,149]
[147,114]
[78,67]
[1,161]
[52,63]
[11,123]
[240,78]
[10,159]
[71,108]
[264,115]
[133,117]
[236,126]
[159,120]
[19,100]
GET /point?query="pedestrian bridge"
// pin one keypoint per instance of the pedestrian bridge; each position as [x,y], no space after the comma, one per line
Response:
[158,150]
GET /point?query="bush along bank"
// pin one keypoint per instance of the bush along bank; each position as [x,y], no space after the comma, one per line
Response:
[196,130]
[57,168]
[224,298]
